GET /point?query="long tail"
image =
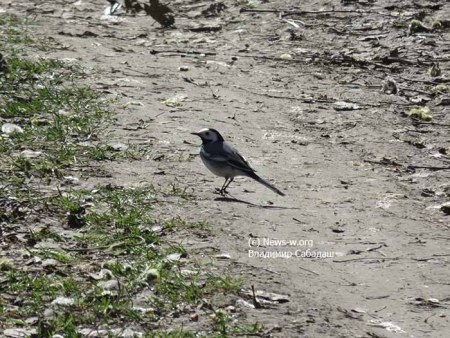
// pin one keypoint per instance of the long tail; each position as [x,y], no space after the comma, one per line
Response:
[267,184]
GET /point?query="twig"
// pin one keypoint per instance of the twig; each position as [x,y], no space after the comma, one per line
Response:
[385,162]
[271,58]
[334,12]
[290,22]
[426,167]
[399,103]
[286,12]
[434,81]
[310,271]
[376,248]
[366,258]
[432,123]
[307,24]
[297,220]
[442,237]
[193,52]
[243,10]
[255,301]
[247,334]
[381,308]
[425,259]
[393,163]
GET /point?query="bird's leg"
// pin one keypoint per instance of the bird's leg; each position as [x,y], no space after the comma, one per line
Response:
[222,190]
[226,185]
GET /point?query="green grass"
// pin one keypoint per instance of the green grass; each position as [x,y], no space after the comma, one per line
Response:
[119,241]
[57,116]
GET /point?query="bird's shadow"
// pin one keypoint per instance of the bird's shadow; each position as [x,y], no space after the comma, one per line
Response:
[232,199]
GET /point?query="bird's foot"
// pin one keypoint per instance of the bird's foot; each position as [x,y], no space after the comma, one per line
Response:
[222,192]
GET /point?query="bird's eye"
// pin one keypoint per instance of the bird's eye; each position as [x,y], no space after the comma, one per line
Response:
[207,133]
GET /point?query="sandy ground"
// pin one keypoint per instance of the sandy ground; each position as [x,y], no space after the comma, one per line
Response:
[378,223]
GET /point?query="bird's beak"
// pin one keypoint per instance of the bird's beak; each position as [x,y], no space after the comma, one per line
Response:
[197,134]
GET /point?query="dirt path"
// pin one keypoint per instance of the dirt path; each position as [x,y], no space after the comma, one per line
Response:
[389,249]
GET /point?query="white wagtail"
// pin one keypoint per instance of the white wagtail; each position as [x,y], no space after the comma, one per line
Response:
[223,160]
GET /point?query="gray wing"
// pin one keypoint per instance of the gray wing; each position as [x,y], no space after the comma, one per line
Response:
[224,152]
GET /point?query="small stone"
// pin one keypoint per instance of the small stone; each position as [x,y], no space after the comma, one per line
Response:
[30,153]
[109,285]
[48,313]
[286,57]
[140,42]
[63,301]
[157,228]
[9,128]
[175,257]
[19,333]
[117,146]
[341,105]
[223,256]
[49,262]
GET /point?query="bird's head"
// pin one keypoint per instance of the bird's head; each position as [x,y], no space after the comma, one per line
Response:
[209,135]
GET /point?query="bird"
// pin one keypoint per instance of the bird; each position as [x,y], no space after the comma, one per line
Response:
[223,160]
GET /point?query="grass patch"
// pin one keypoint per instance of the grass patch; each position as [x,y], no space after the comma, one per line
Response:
[57,117]
[93,279]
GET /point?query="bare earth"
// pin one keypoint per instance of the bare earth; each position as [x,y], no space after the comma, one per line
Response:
[379,222]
